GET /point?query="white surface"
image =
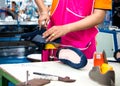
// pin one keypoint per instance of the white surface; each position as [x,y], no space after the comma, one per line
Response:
[57,68]
[34,56]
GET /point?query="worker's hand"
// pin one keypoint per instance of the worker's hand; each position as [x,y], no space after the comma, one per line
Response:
[43,19]
[55,32]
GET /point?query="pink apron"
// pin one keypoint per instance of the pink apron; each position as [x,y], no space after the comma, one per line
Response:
[68,11]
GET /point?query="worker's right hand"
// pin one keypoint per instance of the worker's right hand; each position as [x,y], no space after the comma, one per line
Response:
[44,19]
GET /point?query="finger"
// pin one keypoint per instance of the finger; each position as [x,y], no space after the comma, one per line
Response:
[51,38]
[47,33]
[46,22]
[43,22]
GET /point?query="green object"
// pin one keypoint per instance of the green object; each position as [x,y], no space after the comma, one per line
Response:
[5,78]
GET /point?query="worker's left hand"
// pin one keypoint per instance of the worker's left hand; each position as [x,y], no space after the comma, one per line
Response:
[55,32]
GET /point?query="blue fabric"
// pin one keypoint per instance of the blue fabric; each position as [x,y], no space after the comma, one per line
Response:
[82,62]
[36,37]
[30,35]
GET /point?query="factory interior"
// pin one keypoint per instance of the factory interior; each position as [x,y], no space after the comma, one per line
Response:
[20,54]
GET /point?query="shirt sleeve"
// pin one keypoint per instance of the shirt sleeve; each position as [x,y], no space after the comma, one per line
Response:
[103,4]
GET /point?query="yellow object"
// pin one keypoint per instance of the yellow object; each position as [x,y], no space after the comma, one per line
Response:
[53,34]
[50,46]
[105,68]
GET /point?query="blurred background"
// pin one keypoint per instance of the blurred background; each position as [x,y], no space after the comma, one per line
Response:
[16,18]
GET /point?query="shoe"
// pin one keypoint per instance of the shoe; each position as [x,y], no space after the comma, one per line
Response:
[72,57]
[36,37]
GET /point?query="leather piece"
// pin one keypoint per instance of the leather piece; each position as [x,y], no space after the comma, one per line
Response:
[35,82]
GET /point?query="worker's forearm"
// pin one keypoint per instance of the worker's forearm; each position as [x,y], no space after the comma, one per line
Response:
[96,18]
[41,6]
